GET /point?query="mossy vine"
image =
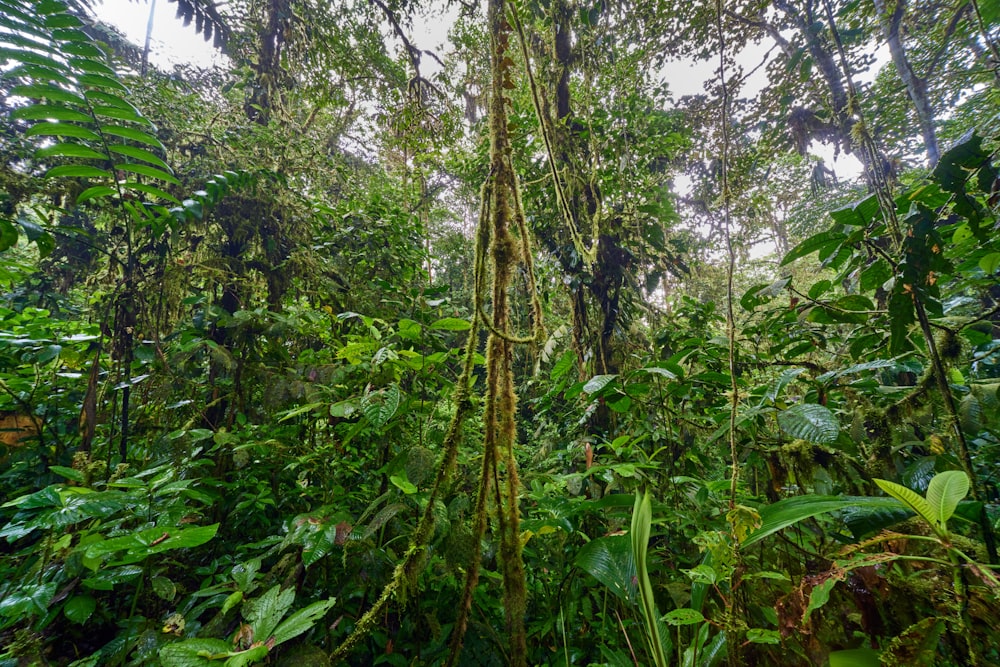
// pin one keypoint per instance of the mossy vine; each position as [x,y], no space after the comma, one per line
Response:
[498,251]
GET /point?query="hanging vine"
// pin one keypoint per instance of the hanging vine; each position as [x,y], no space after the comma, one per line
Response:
[502,211]
[737,515]
[497,253]
[587,253]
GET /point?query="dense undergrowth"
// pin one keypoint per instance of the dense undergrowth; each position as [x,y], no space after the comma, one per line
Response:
[231,374]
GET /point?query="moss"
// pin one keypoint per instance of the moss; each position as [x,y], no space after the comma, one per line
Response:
[949,346]
[497,252]
[303,655]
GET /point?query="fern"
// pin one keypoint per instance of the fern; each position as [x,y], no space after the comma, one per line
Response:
[87,129]
[78,110]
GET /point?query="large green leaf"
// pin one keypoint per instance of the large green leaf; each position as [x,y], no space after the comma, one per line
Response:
[609,560]
[30,57]
[945,491]
[857,368]
[864,521]
[911,499]
[79,608]
[133,134]
[70,150]
[317,544]
[379,406]
[561,367]
[783,380]
[714,651]
[95,192]
[140,154]
[47,497]
[61,20]
[857,214]
[145,188]
[819,596]
[790,511]
[102,97]
[658,370]
[196,653]
[118,113]
[301,621]
[51,111]
[49,92]
[62,130]
[597,383]
[264,613]
[657,639]
[28,599]
[77,44]
[101,81]
[77,171]
[683,616]
[383,516]
[812,244]
[108,578]
[144,543]
[91,66]
[810,421]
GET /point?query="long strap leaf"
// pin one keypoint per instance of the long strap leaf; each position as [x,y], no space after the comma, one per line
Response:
[642,520]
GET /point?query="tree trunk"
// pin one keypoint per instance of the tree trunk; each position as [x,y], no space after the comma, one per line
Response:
[803,20]
[260,103]
[916,87]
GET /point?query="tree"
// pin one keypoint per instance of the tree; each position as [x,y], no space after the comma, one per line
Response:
[916,87]
[267,394]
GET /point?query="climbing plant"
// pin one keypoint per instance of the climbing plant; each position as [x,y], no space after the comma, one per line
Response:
[362,349]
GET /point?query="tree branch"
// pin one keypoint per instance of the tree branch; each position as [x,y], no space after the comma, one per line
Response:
[412,52]
[761,24]
[949,31]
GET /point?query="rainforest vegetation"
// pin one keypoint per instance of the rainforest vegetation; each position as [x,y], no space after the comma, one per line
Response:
[356,350]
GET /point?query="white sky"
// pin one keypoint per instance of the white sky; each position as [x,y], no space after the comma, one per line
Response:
[172,43]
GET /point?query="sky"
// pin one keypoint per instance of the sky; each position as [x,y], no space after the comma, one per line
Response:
[172,43]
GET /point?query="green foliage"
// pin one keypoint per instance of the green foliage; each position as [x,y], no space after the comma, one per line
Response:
[235,307]
[811,422]
[790,511]
[944,492]
[657,641]
[611,562]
